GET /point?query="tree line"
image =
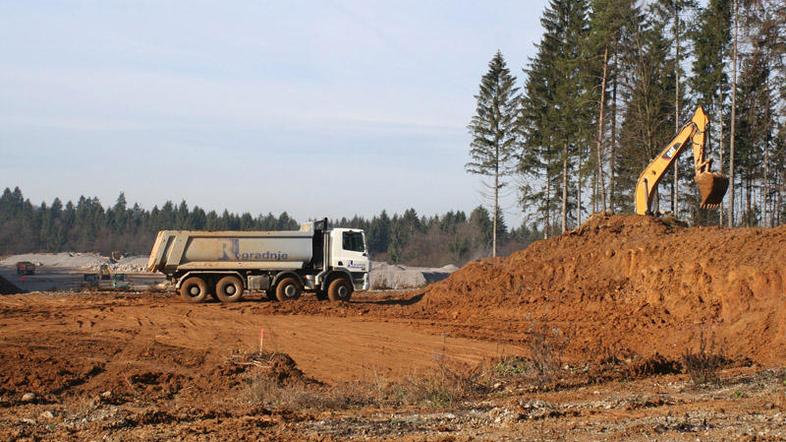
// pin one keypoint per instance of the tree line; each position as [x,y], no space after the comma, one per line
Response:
[87,226]
[610,85]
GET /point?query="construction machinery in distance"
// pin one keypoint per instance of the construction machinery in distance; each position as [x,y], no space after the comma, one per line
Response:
[712,186]
[24,268]
[105,279]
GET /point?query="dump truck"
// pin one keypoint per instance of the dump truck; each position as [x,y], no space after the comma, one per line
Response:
[330,262]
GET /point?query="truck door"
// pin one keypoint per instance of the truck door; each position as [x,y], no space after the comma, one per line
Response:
[349,250]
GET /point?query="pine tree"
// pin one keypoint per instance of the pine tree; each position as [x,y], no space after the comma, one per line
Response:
[609,23]
[755,116]
[556,102]
[494,131]
[538,164]
[709,81]
[649,87]
[733,123]
[482,221]
[668,17]
[379,233]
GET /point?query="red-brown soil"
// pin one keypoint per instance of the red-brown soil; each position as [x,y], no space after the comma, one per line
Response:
[630,283]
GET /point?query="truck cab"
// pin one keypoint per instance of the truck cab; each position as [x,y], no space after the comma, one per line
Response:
[348,252]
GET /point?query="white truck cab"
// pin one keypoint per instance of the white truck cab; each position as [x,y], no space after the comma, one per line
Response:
[348,251]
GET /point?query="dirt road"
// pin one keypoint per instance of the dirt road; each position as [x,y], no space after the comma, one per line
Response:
[326,348]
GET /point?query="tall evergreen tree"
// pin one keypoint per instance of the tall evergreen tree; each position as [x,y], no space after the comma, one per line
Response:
[494,131]
[610,22]
[556,102]
[709,81]
[539,161]
[733,123]
[756,114]
[649,108]
[668,15]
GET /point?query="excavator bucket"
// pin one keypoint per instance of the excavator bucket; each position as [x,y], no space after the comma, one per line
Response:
[712,188]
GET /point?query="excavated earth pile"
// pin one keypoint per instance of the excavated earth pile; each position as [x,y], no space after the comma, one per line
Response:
[629,284]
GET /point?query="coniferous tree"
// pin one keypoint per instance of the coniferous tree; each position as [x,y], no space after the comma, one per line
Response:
[494,131]
[610,22]
[648,123]
[755,115]
[709,81]
[538,164]
[733,122]
[668,15]
[556,101]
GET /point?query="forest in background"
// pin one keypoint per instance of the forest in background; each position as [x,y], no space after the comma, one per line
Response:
[87,226]
[610,85]
[612,82]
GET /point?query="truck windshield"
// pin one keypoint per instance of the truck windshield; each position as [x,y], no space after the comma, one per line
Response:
[353,241]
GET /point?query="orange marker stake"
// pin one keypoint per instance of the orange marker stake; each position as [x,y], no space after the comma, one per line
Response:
[261,338]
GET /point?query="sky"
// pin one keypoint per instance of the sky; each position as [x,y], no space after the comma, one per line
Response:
[318,108]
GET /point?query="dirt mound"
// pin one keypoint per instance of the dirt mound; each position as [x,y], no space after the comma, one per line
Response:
[276,366]
[118,371]
[631,283]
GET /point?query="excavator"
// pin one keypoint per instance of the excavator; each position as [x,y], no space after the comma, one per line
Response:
[712,186]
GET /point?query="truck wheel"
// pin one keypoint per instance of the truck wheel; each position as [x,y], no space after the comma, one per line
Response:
[288,289]
[340,290]
[193,289]
[229,289]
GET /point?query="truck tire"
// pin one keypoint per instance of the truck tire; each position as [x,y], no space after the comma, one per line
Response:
[288,289]
[229,289]
[339,290]
[193,289]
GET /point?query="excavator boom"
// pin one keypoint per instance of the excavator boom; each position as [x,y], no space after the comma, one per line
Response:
[712,186]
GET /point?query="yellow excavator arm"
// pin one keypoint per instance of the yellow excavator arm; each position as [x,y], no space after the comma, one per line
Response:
[712,186]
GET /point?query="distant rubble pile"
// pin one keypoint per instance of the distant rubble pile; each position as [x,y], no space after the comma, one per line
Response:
[6,288]
[82,261]
[630,283]
[386,276]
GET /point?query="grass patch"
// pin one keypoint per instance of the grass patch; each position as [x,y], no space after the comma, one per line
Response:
[439,387]
[703,364]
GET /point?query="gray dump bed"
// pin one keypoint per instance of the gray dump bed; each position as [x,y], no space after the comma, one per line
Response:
[183,250]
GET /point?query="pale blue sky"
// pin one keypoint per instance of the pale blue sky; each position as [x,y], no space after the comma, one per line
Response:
[319,108]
